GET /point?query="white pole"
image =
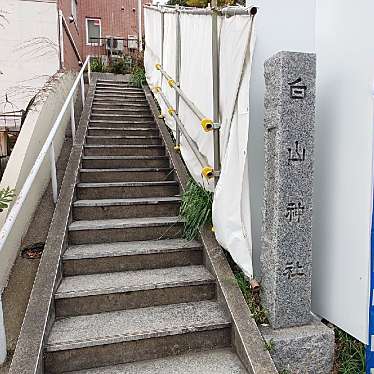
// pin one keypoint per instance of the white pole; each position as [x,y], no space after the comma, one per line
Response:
[82,89]
[61,40]
[53,172]
[140,36]
[2,335]
[72,120]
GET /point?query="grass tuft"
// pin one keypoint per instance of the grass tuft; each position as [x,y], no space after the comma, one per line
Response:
[196,209]
[349,354]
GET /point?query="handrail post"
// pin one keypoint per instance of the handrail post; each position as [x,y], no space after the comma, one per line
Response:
[72,119]
[53,172]
[215,66]
[3,350]
[82,89]
[177,76]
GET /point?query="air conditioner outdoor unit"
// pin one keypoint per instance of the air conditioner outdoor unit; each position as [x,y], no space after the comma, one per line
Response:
[115,45]
[132,42]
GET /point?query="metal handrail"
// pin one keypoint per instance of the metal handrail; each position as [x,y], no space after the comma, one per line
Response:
[206,170]
[47,147]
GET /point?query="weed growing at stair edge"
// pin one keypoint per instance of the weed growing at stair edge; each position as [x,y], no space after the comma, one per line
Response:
[196,209]
[252,298]
[349,354]
[137,78]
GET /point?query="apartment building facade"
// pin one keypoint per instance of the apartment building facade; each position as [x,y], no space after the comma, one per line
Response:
[86,24]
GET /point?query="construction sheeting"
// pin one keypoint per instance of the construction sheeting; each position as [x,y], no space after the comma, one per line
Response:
[231,206]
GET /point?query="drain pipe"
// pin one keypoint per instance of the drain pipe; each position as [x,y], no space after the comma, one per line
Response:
[2,335]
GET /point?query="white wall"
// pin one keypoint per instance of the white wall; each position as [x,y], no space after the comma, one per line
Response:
[344,153]
[281,25]
[29,143]
[28,49]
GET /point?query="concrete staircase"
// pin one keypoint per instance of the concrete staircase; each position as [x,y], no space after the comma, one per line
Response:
[135,296]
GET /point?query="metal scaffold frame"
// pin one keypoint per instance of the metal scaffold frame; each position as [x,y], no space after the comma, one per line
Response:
[208,124]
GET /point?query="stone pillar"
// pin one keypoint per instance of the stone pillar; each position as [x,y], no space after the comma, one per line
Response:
[286,258]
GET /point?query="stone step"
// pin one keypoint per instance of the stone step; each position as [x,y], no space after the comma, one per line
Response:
[217,361]
[124,150]
[124,256]
[122,88]
[118,88]
[114,162]
[129,110]
[120,92]
[118,131]
[111,338]
[126,208]
[124,190]
[126,175]
[100,98]
[124,97]
[125,230]
[114,105]
[108,292]
[139,124]
[121,117]
[115,82]
[123,140]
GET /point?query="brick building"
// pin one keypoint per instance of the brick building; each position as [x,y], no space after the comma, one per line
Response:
[83,21]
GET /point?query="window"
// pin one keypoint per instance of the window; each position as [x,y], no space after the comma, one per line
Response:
[74,7]
[93,31]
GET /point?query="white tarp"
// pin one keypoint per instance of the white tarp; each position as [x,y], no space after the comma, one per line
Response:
[231,208]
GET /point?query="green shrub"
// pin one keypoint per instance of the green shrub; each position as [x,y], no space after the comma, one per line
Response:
[118,67]
[196,209]
[138,76]
[6,197]
[97,65]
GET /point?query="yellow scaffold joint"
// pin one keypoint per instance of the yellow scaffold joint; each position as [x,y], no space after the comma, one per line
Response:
[158,66]
[207,124]
[207,172]
[161,116]
[171,82]
[213,229]
[157,89]
[177,148]
[171,111]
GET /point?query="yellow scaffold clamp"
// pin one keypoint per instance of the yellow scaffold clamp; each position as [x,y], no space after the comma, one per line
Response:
[158,66]
[171,111]
[207,124]
[161,116]
[177,148]
[171,82]
[207,172]
[157,89]
[213,229]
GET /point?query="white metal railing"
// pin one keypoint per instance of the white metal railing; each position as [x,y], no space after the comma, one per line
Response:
[48,147]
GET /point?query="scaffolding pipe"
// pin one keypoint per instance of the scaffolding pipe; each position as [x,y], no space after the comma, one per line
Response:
[189,103]
[207,171]
[215,70]
[177,77]
[227,11]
